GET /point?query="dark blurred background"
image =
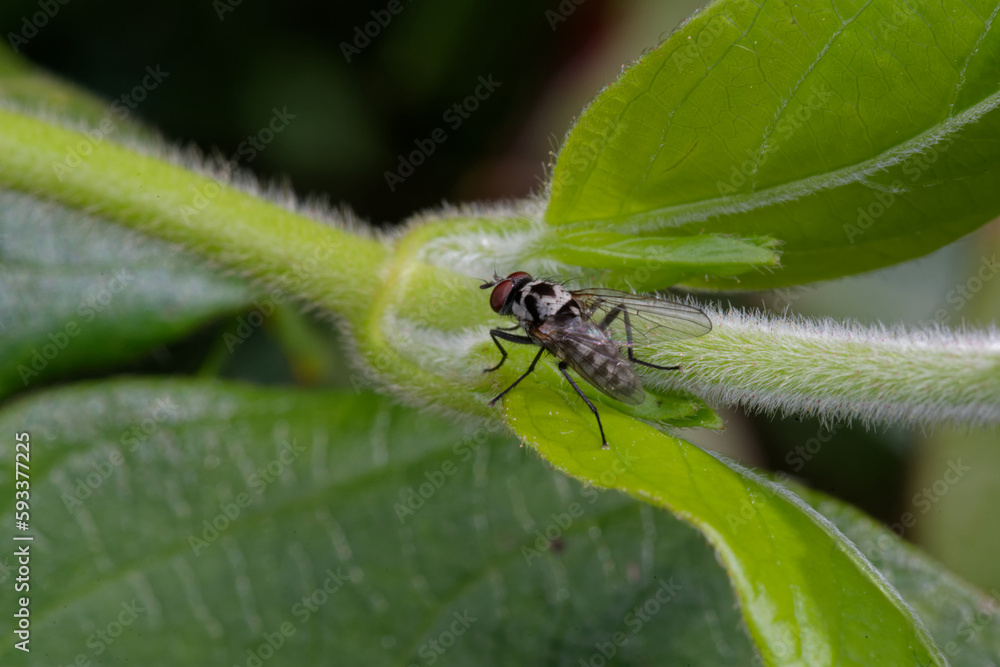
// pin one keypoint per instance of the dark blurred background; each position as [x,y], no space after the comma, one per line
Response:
[362,92]
[364,87]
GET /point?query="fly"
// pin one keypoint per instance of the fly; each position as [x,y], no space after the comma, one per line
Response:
[573,326]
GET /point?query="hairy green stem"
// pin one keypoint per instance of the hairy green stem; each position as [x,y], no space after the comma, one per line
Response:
[840,372]
[422,327]
[327,265]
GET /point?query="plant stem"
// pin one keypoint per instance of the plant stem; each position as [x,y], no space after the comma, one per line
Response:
[325,264]
[397,308]
[840,372]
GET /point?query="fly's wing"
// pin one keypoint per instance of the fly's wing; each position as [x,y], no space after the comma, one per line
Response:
[647,313]
[592,354]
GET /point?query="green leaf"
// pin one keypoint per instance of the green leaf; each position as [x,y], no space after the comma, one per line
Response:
[216,509]
[964,622]
[808,596]
[651,262]
[81,293]
[415,519]
[859,134]
[953,494]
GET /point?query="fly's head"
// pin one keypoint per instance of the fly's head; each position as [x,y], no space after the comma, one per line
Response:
[505,290]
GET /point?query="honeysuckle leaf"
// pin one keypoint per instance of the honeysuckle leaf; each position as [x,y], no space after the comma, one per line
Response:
[807,594]
[857,134]
[182,520]
[81,293]
[963,620]
[179,521]
[644,262]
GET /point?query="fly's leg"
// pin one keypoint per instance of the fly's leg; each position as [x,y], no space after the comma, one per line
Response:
[610,317]
[510,338]
[562,367]
[526,373]
[628,337]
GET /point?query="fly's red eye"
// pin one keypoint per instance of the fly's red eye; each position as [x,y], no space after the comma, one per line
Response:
[518,275]
[499,295]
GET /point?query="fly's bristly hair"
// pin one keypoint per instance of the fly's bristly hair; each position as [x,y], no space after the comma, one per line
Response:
[226,173]
[878,391]
[480,241]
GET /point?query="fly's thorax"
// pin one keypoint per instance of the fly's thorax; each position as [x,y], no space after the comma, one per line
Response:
[540,301]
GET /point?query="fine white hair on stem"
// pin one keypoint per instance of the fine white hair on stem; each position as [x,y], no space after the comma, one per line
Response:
[837,371]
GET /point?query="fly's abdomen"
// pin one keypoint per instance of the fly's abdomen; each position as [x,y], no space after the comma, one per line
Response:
[623,382]
[603,367]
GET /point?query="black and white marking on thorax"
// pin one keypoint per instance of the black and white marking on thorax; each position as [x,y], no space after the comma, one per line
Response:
[540,301]
[574,326]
